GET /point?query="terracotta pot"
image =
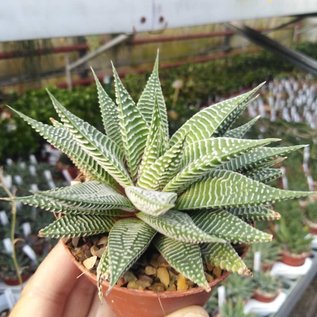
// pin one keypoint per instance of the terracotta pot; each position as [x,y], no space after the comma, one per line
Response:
[312,226]
[264,297]
[126,302]
[293,259]
[13,281]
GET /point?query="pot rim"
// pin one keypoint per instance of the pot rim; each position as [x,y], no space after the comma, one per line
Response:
[294,255]
[148,293]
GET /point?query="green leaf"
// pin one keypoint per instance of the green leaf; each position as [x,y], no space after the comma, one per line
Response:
[257,157]
[153,147]
[240,132]
[215,118]
[265,175]
[103,272]
[128,239]
[151,93]
[231,189]
[183,257]
[150,201]
[254,213]
[63,140]
[132,126]
[224,225]
[109,113]
[77,226]
[224,256]
[204,155]
[157,175]
[179,226]
[91,193]
[103,149]
[69,207]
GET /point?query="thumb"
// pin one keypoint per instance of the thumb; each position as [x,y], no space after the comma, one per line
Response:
[190,311]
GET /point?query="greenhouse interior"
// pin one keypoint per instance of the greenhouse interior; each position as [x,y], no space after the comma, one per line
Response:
[158,158]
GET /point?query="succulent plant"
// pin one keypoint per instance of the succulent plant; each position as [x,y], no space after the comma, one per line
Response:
[234,309]
[266,283]
[190,196]
[311,211]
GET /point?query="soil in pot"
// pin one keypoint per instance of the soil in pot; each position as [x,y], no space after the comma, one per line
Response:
[293,259]
[150,288]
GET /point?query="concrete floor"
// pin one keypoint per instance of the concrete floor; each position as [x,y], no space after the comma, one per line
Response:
[307,305]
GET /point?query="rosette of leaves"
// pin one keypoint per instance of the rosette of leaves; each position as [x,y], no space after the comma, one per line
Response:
[190,196]
[266,283]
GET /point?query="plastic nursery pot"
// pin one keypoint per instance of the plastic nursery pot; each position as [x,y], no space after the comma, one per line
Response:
[312,226]
[13,281]
[126,302]
[293,259]
[264,297]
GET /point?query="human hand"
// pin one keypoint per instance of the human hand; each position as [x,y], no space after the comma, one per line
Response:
[58,289]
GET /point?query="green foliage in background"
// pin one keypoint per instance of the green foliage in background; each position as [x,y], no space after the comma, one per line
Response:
[201,85]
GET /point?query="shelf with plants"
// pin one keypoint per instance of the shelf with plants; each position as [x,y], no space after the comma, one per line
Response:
[22,178]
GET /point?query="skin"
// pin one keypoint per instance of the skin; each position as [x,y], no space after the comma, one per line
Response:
[58,289]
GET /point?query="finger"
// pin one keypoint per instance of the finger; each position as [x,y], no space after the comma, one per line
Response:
[100,308]
[80,299]
[190,311]
[47,291]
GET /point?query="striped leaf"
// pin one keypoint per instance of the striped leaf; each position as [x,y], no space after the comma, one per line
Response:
[257,157]
[223,255]
[218,147]
[164,169]
[204,155]
[236,113]
[223,224]
[77,226]
[185,258]
[154,141]
[90,193]
[132,126]
[265,175]
[63,140]
[150,201]
[70,208]
[178,226]
[254,213]
[231,189]
[128,239]
[105,151]
[152,92]
[103,272]
[109,113]
[240,132]
[215,118]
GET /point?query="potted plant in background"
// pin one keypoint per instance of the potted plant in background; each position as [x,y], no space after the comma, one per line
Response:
[294,240]
[266,287]
[270,254]
[310,216]
[234,308]
[181,203]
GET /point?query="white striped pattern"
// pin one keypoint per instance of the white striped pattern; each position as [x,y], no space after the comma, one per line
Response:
[178,226]
[128,239]
[132,126]
[224,225]
[223,255]
[149,201]
[105,151]
[184,258]
[77,226]
[109,113]
[231,189]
